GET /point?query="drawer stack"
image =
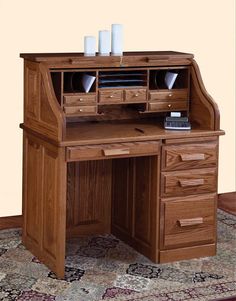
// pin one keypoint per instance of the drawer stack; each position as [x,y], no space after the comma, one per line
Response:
[188,200]
[166,100]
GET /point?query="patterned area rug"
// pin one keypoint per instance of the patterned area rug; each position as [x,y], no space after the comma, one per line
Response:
[104,268]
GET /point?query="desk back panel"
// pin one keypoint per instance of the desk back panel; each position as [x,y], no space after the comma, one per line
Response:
[135,206]
[88,197]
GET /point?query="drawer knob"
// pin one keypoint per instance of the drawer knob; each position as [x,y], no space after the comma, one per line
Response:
[136,95]
[190,221]
[80,99]
[111,96]
[170,95]
[80,110]
[191,182]
[192,157]
[169,105]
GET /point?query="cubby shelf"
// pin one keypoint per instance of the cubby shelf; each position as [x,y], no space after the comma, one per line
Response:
[111,87]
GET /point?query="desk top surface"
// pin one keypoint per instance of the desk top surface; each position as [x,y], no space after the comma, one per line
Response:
[95,133]
[47,57]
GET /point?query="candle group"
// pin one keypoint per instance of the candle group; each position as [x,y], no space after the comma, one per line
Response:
[106,42]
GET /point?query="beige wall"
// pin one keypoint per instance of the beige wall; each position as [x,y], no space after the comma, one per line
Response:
[202,27]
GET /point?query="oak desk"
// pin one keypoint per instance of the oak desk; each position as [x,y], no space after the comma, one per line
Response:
[101,161]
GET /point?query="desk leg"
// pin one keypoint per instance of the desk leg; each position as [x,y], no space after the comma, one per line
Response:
[44,202]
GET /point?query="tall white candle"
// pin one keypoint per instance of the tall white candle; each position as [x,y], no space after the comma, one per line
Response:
[89,46]
[117,39]
[104,42]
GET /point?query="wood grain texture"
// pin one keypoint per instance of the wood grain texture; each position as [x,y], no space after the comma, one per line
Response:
[116,150]
[166,106]
[196,181]
[189,156]
[122,196]
[169,95]
[44,201]
[187,253]
[227,202]
[79,99]
[204,111]
[110,96]
[11,222]
[134,95]
[42,112]
[105,132]
[93,162]
[135,203]
[89,198]
[200,211]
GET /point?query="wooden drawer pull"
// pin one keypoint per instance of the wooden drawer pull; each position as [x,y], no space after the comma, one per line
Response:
[192,182]
[191,157]
[190,221]
[116,152]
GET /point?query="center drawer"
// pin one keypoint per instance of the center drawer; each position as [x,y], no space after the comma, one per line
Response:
[188,221]
[192,181]
[134,95]
[114,150]
[110,96]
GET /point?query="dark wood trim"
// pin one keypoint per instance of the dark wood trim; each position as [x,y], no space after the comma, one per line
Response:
[227,202]
[9,222]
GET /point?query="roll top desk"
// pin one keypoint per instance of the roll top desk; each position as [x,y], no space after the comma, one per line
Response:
[102,162]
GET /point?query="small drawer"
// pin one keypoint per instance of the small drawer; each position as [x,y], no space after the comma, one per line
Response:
[181,94]
[114,150]
[79,99]
[188,221]
[187,156]
[110,96]
[80,110]
[192,181]
[133,95]
[164,106]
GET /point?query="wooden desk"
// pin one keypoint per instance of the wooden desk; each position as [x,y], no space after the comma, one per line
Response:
[101,162]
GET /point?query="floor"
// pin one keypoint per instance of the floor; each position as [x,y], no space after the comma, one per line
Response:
[104,268]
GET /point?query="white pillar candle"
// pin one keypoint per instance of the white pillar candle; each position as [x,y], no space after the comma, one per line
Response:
[104,42]
[89,46]
[117,39]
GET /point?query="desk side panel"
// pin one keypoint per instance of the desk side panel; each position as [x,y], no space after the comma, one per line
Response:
[203,109]
[44,202]
[42,113]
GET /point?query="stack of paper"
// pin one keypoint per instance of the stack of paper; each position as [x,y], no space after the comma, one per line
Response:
[170,78]
[87,82]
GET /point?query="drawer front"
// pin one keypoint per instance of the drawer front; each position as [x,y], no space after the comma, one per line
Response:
[188,221]
[133,95]
[187,156]
[168,95]
[110,96]
[192,181]
[116,150]
[79,99]
[80,110]
[163,106]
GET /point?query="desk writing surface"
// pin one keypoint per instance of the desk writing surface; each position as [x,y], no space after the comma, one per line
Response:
[104,132]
